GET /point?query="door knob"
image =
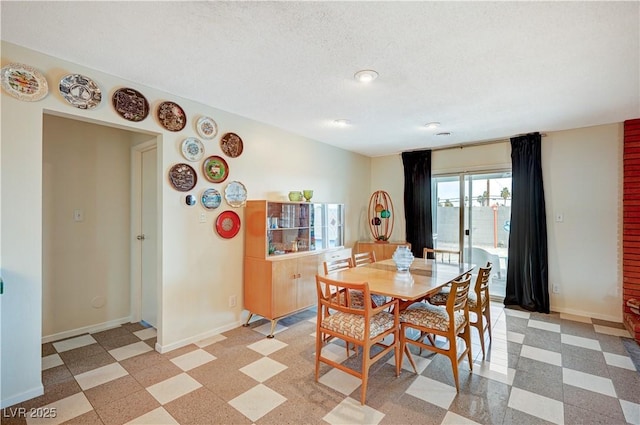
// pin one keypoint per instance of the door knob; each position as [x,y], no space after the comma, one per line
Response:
[140,237]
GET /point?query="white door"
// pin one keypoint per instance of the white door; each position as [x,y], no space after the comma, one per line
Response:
[149,271]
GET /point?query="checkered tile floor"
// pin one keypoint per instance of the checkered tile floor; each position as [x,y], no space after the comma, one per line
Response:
[540,369]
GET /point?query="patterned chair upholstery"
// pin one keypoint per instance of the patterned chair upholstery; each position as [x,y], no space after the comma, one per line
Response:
[481,319]
[450,321]
[365,326]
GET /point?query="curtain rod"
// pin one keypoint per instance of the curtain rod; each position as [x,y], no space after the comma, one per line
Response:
[474,144]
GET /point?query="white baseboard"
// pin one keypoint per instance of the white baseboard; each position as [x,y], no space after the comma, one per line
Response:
[19,398]
[183,342]
[86,329]
[616,319]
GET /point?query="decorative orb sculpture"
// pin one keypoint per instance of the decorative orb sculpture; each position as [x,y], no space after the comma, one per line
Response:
[381,216]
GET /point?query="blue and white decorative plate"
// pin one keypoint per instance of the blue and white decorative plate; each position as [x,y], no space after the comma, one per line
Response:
[192,149]
[211,199]
[235,194]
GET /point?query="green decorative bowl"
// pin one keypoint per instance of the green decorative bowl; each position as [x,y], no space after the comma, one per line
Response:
[295,196]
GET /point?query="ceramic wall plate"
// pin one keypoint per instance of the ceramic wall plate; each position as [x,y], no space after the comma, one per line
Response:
[228,224]
[211,199]
[235,194]
[171,116]
[23,82]
[215,169]
[130,104]
[192,149]
[231,145]
[80,91]
[207,128]
[183,177]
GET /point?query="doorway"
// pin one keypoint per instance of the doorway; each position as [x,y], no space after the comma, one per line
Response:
[472,213]
[87,227]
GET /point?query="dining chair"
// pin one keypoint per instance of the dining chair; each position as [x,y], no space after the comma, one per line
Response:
[363,258]
[364,326]
[450,321]
[434,252]
[479,304]
[357,298]
[337,264]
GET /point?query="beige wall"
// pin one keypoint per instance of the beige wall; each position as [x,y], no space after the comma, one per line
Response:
[198,269]
[582,172]
[86,264]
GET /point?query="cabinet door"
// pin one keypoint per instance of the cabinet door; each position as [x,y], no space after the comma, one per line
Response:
[285,277]
[306,284]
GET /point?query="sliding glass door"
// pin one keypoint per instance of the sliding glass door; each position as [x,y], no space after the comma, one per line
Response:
[471,215]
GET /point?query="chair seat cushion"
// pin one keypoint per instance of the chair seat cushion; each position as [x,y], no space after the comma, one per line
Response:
[357,299]
[431,316]
[353,324]
[441,298]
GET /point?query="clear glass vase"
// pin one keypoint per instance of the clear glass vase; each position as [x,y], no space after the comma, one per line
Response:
[403,257]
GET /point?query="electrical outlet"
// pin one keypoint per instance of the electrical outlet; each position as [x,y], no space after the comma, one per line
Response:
[559,217]
[556,289]
[232,301]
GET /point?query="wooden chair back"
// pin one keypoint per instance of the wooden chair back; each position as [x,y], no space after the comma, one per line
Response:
[337,264]
[336,295]
[364,258]
[449,255]
[459,295]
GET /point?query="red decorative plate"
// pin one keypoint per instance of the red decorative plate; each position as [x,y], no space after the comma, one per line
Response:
[228,224]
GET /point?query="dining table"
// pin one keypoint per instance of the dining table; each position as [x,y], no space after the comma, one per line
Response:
[425,277]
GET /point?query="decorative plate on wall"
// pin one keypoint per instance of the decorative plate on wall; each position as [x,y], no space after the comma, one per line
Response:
[23,82]
[211,199]
[235,194]
[171,116]
[192,149]
[80,91]
[207,128]
[228,224]
[215,169]
[130,104]
[183,177]
[231,145]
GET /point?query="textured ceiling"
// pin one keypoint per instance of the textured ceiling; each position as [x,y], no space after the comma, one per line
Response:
[485,70]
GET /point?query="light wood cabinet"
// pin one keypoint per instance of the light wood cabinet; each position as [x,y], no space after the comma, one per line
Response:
[279,278]
[383,251]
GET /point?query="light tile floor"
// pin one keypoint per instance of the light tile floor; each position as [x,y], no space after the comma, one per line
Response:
[540,369]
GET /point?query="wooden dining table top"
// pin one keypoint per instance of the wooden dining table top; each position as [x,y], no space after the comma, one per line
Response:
[423,279]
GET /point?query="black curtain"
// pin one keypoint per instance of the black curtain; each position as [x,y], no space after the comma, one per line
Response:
[527,272]
[417,200]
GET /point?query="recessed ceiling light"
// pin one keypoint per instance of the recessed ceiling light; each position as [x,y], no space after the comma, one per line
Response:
[432,125]
[366,75]
[342,123]
[445,133]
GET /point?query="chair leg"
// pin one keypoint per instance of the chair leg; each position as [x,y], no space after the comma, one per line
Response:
[396,351]
[365,374]
[453,356]
[487,314]
[479,326]
[405,349]
[319,341]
